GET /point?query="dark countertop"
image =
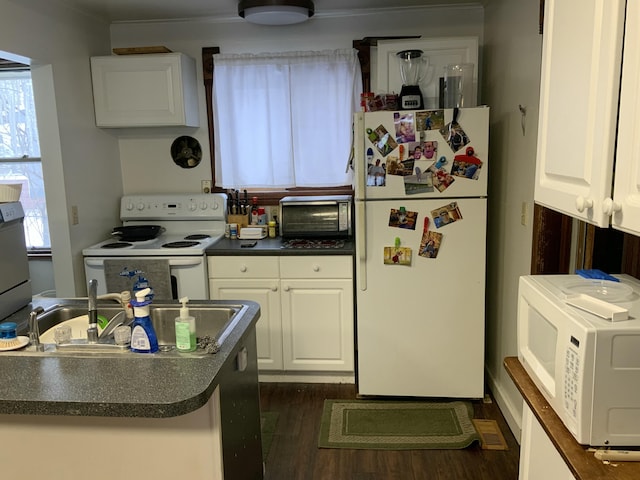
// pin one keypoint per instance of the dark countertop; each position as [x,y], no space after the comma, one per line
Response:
[581,461]
[273,246]
[97,385]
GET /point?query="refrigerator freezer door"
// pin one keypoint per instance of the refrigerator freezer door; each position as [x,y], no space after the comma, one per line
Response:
[381,147]
[420,328]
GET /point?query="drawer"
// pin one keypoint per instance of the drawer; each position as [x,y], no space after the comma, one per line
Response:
[243,267]
[321,266]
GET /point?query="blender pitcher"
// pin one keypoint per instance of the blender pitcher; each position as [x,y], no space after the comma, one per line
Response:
[412,66]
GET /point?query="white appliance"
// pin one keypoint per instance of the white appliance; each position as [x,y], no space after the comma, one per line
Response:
[190,222]
[586,365]
[420,323]
[15,283]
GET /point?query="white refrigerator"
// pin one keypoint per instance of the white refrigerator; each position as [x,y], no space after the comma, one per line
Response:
[421,213]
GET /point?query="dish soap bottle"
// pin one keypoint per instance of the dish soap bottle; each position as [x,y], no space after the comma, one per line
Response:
[185,329]
[143,336]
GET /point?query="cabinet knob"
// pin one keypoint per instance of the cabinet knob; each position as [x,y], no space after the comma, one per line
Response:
[609,207]
[243,268]
[316,268]
[274,288]
[583,203]
[286,288]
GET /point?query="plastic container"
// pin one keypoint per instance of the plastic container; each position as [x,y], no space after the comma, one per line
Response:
[143,335]
[185,329]
[272,229]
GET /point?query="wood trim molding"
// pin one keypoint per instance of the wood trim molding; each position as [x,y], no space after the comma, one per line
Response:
[551,246]
[207,73]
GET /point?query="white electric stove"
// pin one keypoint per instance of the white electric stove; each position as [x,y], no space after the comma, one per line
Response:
[190,223]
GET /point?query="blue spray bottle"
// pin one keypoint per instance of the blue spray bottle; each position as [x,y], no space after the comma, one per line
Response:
[143,335]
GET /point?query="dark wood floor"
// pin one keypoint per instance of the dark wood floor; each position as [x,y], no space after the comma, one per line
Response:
[294,454]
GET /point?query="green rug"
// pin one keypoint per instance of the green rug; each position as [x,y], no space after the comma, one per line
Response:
[397,425]
[268,421]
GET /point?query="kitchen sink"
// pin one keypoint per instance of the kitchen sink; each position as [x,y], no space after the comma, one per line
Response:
[214,322]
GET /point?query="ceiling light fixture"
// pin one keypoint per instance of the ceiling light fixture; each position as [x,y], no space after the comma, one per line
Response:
[276,12]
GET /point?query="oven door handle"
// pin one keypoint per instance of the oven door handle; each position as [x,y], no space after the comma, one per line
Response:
[173,262]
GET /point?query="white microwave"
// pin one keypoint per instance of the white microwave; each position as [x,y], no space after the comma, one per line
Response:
[586,365]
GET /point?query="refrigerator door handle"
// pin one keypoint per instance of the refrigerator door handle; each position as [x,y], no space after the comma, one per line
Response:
[361,264]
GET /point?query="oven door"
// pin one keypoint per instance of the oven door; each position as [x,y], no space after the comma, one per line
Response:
[187,274]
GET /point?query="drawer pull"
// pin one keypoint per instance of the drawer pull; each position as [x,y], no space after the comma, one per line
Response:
[274,288]
[316,268]
[243,268]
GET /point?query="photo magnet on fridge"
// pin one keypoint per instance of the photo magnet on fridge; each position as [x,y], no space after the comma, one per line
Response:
[404,127]
[397,256]
[467,165]
[402,218]
[454,136]
[430,244]
[440,177]
[445,215]
[430,120]
[382,140]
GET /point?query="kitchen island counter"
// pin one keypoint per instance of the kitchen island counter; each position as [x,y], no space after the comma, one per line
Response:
[99,385]
[182,415]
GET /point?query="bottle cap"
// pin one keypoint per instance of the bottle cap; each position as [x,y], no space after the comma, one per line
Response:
[184,311]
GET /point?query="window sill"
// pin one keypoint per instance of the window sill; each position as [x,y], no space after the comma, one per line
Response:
[33,253]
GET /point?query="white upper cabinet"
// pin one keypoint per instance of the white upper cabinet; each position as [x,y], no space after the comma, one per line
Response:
[581,65]
[626,196]
[150,90]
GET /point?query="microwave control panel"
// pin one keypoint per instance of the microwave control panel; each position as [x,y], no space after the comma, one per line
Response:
[571,376]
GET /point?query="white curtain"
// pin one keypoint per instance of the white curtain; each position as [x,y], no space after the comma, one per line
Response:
[284,119]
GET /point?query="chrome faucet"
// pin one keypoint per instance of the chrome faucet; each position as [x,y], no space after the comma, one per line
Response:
[34,330]
[92,331]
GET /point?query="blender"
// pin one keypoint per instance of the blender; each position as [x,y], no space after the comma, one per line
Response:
[411,65]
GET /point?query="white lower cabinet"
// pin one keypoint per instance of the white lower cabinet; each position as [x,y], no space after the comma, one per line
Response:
[539,459]
[306,308]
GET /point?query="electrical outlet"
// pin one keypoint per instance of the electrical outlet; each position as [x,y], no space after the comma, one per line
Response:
[206,186]
[75,220]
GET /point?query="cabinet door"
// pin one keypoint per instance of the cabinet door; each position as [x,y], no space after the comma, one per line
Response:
[317,324]
[268,328]
[145,90]
[626,201]
[534,446]
[581,63]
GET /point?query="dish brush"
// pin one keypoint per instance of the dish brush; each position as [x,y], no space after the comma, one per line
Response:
[10,342]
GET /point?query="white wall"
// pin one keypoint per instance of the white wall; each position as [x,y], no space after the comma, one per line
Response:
[146,163]
[80,162]
[512,55]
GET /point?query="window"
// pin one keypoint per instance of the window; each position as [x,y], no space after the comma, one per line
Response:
[284,120]
[20,153]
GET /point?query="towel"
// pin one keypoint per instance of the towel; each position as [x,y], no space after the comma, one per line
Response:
[157,272]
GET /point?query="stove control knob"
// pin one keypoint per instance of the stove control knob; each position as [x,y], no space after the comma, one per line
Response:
[214,206]
[129,206]
[203,206]
[193,206]
[141,206]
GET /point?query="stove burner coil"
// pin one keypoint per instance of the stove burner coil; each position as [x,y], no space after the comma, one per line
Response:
[116,245]
[197,236]
[180,244]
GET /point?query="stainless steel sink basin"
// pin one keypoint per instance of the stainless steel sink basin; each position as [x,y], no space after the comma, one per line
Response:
[213,324]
